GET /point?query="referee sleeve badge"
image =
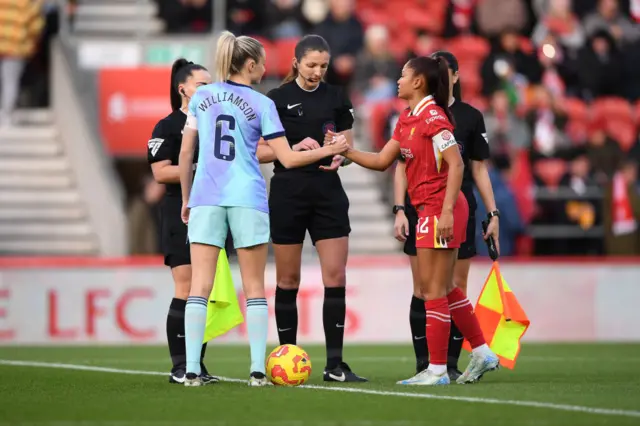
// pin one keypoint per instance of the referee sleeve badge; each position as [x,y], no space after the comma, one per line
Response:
[154,145]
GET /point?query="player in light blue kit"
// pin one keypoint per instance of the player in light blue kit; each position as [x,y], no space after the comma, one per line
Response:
[229,191]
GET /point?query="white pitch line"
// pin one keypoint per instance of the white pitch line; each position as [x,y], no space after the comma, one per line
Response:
[534,404]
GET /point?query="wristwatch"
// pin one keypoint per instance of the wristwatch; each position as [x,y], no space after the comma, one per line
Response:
[397,208]
[495,213]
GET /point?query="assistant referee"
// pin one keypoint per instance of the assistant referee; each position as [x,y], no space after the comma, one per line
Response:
[312,199]
[471,135]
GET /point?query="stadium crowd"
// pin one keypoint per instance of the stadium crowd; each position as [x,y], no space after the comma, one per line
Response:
[557,82]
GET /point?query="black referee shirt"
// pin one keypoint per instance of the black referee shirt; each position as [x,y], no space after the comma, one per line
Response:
[165,144]
[311,114]
[471,135]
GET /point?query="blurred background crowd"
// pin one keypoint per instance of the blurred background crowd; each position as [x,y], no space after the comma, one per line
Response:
[557,81]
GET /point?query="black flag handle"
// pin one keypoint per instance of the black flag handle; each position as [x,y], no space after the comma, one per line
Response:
[491,243]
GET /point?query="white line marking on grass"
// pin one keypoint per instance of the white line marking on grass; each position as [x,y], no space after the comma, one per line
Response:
[534,404]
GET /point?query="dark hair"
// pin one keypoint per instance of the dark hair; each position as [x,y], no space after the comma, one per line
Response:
[452,63]
[308,43]
[436,76]
[180,72]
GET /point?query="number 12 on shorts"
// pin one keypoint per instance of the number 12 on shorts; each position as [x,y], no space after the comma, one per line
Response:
[426,233]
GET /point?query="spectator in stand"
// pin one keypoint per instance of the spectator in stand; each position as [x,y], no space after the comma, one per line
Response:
[245,17]
[560,21]
[495,17]
[376,69]
[622,212]
[600,67]
[22,24]
[511,223]
[608,18]
[186,16]
[506,131]
[579,206]
[459,19]
[343,31]
[556,66]
[426,43]
[546,122]
[508,61]
[284,19]
[603,153]
[144,218]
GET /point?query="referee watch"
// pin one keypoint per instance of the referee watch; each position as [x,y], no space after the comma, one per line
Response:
[397,208]
[495,213]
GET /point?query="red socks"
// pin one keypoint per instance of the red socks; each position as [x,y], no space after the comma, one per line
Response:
[438,326]
[464,317]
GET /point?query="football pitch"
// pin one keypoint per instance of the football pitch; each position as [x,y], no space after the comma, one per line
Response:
[564,384]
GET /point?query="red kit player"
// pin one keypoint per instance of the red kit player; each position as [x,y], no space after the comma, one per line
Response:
[434,167]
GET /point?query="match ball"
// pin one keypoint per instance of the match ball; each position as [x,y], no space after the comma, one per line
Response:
[288,365]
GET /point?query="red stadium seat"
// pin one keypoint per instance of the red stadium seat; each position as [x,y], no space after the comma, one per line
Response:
[623,132]
[576,109]
[469,47]
[521,183]
[550,171]
[270,51]
[379,113]
[612,108]
[577,130]
[285,52]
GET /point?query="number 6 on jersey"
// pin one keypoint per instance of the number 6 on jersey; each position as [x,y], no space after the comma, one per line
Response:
[219,138]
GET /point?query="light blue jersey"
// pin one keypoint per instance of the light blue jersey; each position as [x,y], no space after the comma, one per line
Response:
[231,118]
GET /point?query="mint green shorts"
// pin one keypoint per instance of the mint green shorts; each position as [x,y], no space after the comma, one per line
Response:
[211,224]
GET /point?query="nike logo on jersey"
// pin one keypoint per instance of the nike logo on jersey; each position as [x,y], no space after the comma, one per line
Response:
[419,338]
[419,238]
[284,329]
[339,325]
[154,145]
[293,106]
[458,338]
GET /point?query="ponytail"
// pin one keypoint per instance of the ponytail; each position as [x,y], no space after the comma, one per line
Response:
[441,89]
[224,55]
[233,52]
[176,98]
[181,70]
[293,74]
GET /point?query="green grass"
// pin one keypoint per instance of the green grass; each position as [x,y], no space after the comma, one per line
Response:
[596,376]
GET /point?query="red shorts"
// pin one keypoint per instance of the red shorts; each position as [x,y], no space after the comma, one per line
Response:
[426,228]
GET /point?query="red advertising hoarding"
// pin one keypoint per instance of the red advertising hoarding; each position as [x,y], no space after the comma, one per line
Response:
[132,101]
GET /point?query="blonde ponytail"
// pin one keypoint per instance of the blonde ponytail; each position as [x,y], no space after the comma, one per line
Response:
[224,55]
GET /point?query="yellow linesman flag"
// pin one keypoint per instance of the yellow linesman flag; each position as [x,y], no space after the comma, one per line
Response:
[223,310]
[502,319]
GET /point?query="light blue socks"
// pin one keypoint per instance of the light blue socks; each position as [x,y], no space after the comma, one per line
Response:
[195,320]
[257,328]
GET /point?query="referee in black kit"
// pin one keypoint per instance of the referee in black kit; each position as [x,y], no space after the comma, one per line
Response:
[471,135]
[312,199]
[162,154]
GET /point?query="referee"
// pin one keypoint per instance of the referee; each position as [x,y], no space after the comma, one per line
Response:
[312,199]
[163,152]
[471,135]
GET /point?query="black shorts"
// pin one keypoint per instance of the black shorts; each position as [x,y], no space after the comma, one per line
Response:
[307,201]
[175,246]
[467,249]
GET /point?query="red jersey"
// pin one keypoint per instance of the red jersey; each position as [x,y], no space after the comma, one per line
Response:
[424,134]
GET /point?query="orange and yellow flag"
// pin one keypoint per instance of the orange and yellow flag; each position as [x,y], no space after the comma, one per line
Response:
[502,319]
